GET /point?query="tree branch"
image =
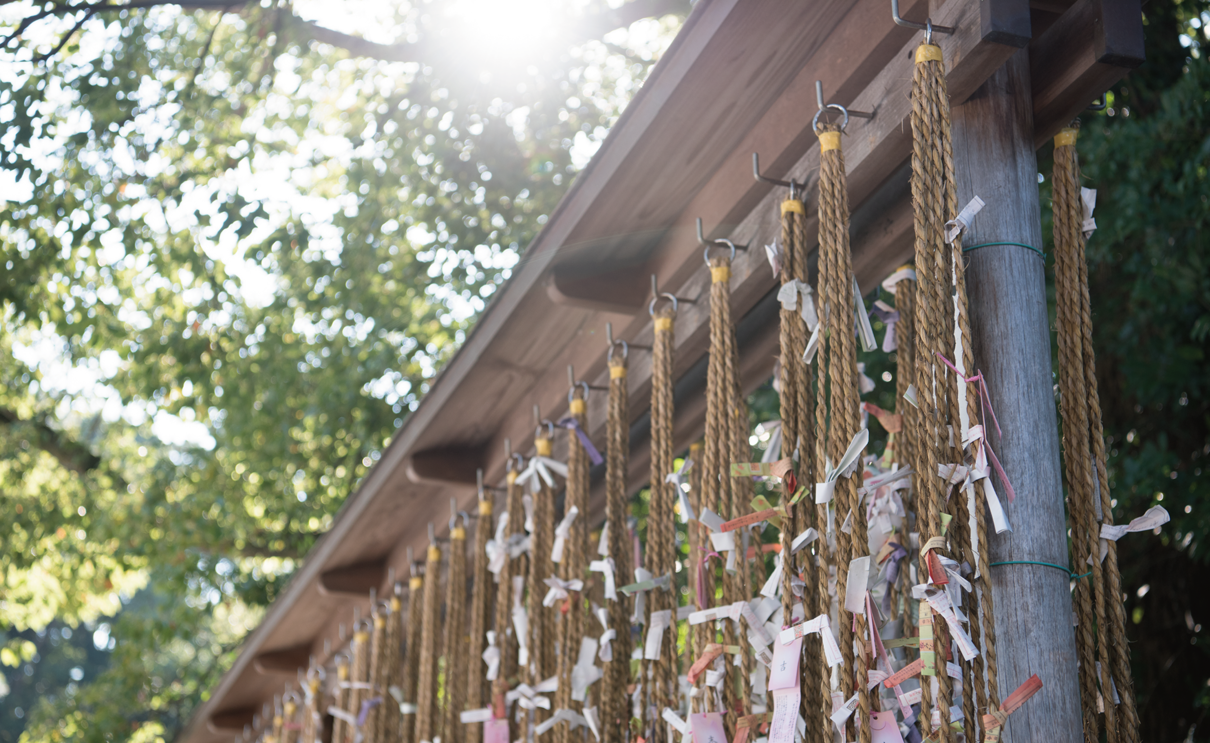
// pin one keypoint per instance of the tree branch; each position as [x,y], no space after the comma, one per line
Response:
[71,454]
[592,26]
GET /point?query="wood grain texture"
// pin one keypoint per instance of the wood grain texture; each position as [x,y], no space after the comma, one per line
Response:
[995,159]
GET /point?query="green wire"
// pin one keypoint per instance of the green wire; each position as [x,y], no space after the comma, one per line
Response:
[1043,564]
[1019,245]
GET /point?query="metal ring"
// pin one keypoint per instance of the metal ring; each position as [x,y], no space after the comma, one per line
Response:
[718,243]
[550,429]
[838,107]
[625,346]
[572,392]
[670,297]
[366,622]
[520,461]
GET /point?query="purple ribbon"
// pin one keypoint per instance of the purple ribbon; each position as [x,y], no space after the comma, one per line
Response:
[572,424]
[366,706]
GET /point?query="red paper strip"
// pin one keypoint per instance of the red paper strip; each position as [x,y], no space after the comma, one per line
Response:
[903,674]
[713,650]
[748,520]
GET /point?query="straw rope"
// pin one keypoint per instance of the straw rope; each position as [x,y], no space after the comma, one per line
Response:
[905,447]
[934,198]
[377,677]
[541,620]
[661,530]
[361,649]
[427,710]
[506,641]
[1084,463]
[836,287]
[411,650]
[455,639]
[290,732]
[614,699]
[478,690]
[342,693]
[574,564]
[312,722]
[388,720]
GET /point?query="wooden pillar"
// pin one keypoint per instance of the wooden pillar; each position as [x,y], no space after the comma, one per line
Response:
[995,159]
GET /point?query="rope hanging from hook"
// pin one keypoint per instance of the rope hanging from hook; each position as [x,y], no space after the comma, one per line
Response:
[837,292]
[427,709]
[312,720]
[361,649]
[390,682]
[478,689]
[542,664]
[506,637]
[614,698]
[456,680]
[342,694]
[660,675]
[411,658]
[376,677]
[1084,465]
[572,565]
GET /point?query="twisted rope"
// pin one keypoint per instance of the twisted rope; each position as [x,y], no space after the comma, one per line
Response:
[573,566]
[541,620]
[361,650]
[455,638]
[312,718]
[661,529]
[411,661]
[427,710]
[836,281]
[1084,458]
[377,676]
[388,720]
[932,197]
[505,638]
[614,699]
[477,689]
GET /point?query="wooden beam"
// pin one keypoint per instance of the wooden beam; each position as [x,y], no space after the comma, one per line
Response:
[450,464]
[355,579]
[284,662]
[1006,21]
[1091,47]
[600,286]
[228,721]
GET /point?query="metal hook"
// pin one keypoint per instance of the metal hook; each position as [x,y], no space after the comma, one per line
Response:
[676,301]
[796,189]
[453,514]
[821,106]
[928,26]
[432,534]
[1099,104]
[719,242]
[479,482]
[571,380]
[539,421]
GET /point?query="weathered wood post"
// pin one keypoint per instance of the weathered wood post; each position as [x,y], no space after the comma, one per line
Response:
[995,159]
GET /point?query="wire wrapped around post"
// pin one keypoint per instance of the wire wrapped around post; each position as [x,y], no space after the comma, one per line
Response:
[455,637]
[837,289]
[427,709]
[614,697]
[411,653]
[663,688]
[478,689]
[1084,464]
